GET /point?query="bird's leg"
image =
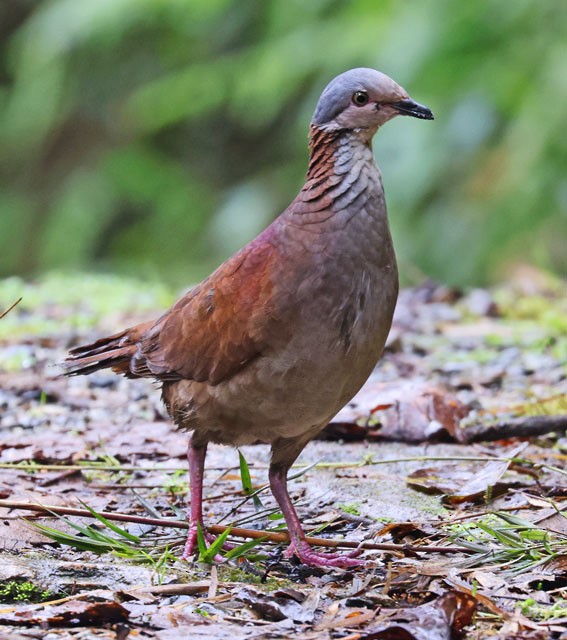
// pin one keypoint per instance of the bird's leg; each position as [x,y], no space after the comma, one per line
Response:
[298,542]
[196,459]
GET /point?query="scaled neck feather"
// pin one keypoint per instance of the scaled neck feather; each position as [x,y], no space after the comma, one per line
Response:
[329,146]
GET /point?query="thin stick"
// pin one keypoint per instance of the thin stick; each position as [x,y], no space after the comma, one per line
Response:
[171,589]
[365,462]
[83,513]
[237,532]
[34,468]
[524,427]
[10,308]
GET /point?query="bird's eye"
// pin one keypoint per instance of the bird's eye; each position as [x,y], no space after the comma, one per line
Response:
[360,98]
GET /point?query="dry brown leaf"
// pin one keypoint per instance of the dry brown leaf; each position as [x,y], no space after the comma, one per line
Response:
[70,613]
[444,618]
[466,484]
[407,411]
[275,608]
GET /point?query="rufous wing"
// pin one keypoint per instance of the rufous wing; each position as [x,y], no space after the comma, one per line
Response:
[217,328]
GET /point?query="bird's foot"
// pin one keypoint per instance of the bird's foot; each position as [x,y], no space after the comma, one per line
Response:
[306,555]
[191,542]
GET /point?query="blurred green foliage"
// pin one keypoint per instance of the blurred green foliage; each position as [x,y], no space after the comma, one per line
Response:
[155,137]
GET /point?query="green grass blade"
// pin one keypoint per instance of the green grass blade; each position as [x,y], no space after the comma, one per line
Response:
[208,555]
[245,474]
[276,516]
[303,471]
[244,548]
[114,527]
[201,541]
[515,521]
[508,539]
[247,482]
[84,544]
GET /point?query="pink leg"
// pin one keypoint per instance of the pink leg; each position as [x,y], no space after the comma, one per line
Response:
[298,543]
[196,459]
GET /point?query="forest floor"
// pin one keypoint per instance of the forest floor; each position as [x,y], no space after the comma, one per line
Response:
[449,468]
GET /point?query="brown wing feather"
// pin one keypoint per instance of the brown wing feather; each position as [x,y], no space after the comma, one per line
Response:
[114,352]
[217,328]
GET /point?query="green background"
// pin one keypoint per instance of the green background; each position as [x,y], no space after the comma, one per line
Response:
[155,137]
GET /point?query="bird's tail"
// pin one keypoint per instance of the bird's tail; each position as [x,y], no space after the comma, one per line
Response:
[114,352]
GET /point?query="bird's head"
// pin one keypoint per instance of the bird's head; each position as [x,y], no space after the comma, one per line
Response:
[363,100]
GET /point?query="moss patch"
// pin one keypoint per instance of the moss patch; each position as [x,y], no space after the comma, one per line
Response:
[17,591]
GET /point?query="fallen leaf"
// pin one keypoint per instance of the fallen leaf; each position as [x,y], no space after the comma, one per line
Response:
[407,411]
[444,618]
[470,484]
[276,608]
[68,614]
[398,530]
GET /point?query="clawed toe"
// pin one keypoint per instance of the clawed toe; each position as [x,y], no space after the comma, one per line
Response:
[314,559]
[190,543]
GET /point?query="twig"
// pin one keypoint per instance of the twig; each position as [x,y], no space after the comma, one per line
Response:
[4,313]
[171,589]
[34,468]
[83,513]
[525,427]
[93,466]
[237,532]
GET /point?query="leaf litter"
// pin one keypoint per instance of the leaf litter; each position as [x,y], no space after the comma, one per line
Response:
[458,369]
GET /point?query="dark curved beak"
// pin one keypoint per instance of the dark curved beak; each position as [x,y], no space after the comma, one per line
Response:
[410,108]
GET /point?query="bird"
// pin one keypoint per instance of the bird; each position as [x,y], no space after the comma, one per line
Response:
[283,334]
